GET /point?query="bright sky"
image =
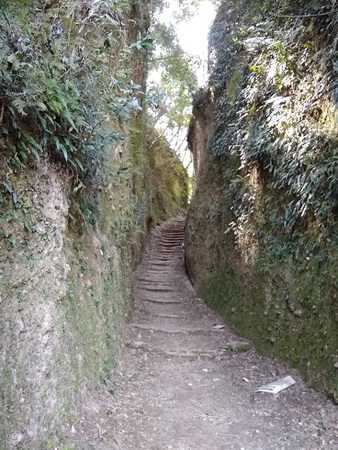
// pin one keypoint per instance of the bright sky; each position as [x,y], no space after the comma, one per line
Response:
[193,38]
[193,35]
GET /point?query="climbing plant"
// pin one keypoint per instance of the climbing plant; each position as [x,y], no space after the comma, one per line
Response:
[172,80]
[55,72]
[277,122]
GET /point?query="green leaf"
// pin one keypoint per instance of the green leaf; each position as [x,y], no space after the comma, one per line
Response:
[78,187]
[44,139]
[147,42]
[19,105]
[70,160]
[66,115]
[34,152]
[56,142]
[7,187]
[43,122]
[64,152]
[28,226]
[78,163]
[111,20]
[41,106]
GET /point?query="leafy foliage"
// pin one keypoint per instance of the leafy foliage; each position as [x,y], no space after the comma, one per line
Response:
[262,229]
[169,179]
[279,118]
[59,91]
[172,81]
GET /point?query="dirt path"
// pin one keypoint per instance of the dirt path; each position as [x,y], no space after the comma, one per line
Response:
[179,388]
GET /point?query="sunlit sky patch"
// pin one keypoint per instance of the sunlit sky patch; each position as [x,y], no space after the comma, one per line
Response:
[193,38]
[193,34]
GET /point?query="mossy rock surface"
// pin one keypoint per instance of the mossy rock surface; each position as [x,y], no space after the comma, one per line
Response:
[261,235]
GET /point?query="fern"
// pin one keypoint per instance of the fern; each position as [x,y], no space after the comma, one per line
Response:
[58,100]
[19,105]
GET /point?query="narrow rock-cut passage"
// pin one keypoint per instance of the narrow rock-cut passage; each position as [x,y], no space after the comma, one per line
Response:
[185,383]
[182,384]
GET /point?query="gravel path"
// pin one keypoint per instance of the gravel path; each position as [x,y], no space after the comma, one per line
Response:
[182,384]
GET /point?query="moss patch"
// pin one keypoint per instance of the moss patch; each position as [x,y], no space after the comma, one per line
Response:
[292,321]
[262,226]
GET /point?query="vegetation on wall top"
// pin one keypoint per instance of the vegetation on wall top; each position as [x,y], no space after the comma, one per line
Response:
[264,251]
[55,72]
[169,179]
[281,102]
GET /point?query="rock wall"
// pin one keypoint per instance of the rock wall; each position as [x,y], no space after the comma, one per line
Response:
[262,226]
[169,179]
[75,205]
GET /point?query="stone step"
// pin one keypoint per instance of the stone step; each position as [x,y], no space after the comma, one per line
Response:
[176,341]
[150,288]
[160,259]
[164,252]
[161,302]
[148,308]
[154,281]
[156,263]
[169,316]
[148,296]
[172,330]
[182,353]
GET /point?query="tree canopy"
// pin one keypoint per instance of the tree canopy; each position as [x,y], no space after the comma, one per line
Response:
[172,80]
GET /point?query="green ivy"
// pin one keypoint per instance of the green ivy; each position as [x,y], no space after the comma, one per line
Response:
[60,83]
[278,119]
